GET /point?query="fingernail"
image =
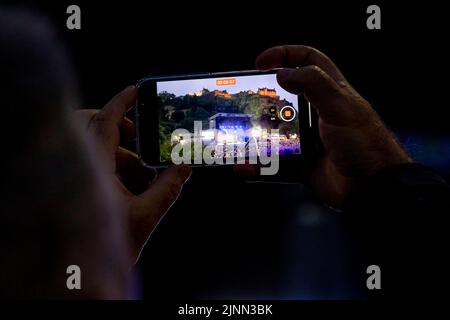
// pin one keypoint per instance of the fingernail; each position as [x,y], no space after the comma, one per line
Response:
[284,74]
[184,171]
[129,88]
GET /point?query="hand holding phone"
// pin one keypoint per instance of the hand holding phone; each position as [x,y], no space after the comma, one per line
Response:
[356,143]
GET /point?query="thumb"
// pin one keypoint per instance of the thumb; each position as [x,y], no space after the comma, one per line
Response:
[164,191]
[322,91]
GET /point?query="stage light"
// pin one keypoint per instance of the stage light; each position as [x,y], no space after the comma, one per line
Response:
[207,135]
[256,132]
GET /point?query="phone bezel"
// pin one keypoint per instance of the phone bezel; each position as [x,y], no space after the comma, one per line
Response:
[146,112]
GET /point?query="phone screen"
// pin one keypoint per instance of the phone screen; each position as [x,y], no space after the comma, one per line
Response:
[236,115]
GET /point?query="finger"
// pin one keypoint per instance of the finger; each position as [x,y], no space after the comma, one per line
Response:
[322,91]
[133,175]
[150,206]
[124,157]
[292,56]
[106,123]
[83,117]
[164,191]
[127,129]
[127,159]
[115,109]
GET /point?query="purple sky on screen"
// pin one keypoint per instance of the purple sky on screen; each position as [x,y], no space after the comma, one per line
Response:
[243,83]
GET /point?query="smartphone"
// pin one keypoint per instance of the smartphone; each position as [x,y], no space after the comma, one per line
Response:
[220,118]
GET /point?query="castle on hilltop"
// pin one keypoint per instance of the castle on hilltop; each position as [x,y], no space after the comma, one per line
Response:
[265,92]
[223,94]
[268,93]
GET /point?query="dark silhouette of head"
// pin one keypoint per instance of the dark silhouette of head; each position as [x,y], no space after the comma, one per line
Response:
[57,209]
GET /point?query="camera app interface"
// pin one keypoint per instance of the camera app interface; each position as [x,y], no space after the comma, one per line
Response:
[233,113]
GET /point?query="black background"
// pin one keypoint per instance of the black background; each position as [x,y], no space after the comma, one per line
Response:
[226,238]
[399,68]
